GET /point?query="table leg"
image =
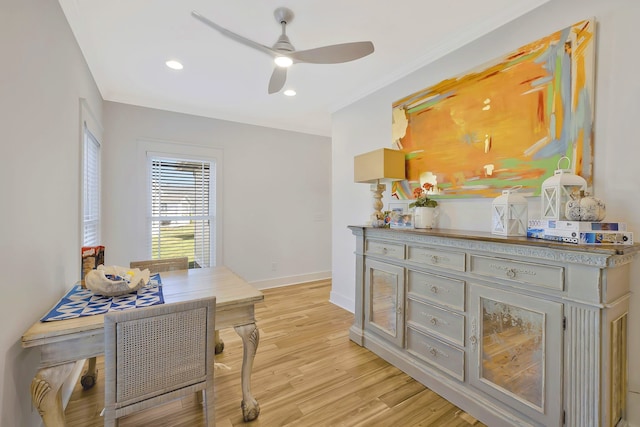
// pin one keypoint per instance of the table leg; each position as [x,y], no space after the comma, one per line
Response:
[45,393]
[250,338]
[89,378]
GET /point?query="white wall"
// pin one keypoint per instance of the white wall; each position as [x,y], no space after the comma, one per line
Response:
[42,80]
[366,125]
[276,187]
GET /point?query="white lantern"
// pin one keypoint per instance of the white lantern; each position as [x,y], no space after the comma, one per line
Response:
[556,192]
[509,213]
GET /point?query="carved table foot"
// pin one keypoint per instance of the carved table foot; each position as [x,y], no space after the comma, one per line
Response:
[90,377]
[45,393]
[251,410]
[250,338]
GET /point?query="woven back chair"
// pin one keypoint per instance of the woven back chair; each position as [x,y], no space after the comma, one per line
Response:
[89,379]
[157,354]
[170,264]
[163,264]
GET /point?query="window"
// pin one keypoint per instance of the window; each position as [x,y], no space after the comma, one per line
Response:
[182,207]
[90,189]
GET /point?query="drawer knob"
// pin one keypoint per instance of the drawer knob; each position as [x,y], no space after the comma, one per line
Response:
[433,352]
[472,336]
[434,289]
[384,250]
[511,273]
[434,259]
[434,321]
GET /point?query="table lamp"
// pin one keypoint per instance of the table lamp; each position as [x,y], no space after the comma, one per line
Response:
[374,166]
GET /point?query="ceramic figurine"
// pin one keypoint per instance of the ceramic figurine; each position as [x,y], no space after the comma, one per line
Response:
[585,208]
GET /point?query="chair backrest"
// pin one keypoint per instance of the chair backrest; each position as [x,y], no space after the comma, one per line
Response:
[160,265]
[157,354]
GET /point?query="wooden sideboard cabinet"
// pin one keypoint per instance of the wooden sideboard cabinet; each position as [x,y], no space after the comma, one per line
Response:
[515,331]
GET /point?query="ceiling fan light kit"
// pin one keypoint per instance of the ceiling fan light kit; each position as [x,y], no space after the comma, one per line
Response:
[284,53]
[174,65]
[283,61]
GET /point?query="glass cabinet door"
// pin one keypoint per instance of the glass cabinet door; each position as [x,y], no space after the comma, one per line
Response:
[384,296]
[516,351]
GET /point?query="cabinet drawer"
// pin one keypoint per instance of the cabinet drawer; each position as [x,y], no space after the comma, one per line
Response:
[389,250]
[443,323]
[444,356]
[548,276]
[436,257]
[438,289]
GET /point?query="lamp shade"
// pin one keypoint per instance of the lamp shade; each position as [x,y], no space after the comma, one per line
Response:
[383,163]
[374,166]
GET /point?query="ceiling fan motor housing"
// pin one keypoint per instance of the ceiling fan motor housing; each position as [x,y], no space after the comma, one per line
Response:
[283,44]
[283,16]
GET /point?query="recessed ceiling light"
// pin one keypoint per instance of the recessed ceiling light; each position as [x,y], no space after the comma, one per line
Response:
[290,92]
[174,65]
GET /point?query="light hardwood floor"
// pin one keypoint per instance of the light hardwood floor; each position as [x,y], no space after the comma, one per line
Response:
[306,373]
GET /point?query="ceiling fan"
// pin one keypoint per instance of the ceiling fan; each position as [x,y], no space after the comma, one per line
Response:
[284,53]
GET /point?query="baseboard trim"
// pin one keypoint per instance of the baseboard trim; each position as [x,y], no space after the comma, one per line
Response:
[291,280]
[342,301]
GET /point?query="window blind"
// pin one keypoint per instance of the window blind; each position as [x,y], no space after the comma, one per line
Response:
[181,213]
[91,190]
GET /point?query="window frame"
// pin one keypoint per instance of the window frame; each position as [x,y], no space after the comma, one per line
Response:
[211,201]
[89,124]
[91,203]
[175,149]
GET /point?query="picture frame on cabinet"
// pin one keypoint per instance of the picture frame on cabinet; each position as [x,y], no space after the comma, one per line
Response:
[400,220]
[399,206]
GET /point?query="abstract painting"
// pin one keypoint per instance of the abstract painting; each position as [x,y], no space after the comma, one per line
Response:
[504,124]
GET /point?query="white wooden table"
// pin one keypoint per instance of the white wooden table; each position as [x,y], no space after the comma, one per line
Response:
[64,342]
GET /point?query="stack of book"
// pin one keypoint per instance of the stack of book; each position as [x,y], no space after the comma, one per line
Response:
[580,232]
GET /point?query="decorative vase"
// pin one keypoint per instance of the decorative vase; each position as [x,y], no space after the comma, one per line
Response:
[424,217]
[585,208]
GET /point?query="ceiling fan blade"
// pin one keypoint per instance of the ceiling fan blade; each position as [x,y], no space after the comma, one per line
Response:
[333,54]
[233,35]
[278,78]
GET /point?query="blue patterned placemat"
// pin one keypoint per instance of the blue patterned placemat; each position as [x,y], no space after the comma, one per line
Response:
[80,302]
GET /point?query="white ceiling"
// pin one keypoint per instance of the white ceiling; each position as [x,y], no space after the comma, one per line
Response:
[126,43]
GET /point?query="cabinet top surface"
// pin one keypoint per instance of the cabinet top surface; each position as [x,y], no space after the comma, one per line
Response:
[513,240]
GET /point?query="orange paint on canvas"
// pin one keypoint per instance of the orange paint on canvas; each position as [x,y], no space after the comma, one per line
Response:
[462,121]
[578,158]
[484,130]
[558,111]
